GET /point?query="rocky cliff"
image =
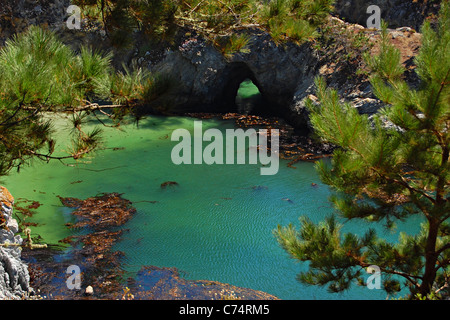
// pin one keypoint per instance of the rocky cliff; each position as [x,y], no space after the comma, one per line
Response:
[14,277]
[207,81]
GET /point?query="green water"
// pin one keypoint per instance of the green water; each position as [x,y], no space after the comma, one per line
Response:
[215,225]
[247,89]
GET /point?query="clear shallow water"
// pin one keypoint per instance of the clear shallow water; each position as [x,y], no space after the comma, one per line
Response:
[215,225]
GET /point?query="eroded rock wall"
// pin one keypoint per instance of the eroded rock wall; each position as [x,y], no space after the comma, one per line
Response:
[17,15]
[208,82]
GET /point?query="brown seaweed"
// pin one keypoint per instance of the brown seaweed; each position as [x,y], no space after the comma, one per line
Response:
[99,226]
[168,184]
[292,146]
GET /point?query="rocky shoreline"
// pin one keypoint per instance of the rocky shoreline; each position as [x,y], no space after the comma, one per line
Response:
[14,276]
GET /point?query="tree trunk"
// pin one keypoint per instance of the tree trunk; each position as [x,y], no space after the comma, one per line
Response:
[430,258]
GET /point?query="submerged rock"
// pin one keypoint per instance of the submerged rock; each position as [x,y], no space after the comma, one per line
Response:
[98,224]
[167,284]
[207,81]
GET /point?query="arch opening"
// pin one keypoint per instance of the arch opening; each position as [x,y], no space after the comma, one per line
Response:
[242,92]
[248,97]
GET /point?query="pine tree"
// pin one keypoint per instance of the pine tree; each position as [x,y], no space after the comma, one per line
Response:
[39,75]
[217,21]
[385,169]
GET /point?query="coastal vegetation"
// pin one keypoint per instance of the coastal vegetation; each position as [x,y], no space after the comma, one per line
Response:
[386,169]
[221,22]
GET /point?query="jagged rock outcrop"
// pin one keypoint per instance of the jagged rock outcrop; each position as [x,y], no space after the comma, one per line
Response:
[14,277]
[206,81]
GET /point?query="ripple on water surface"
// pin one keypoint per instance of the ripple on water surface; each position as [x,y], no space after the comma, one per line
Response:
[216,224]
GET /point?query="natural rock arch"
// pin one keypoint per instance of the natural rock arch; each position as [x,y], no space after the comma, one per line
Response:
[235,74]
[206,81]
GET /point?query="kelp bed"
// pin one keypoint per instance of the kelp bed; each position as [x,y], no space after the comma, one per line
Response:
[97,229]
[98,226]
[293,147]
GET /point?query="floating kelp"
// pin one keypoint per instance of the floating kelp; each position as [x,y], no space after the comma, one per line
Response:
[101,212]
[98,228]
[26,206]
[168,184]
[292,147]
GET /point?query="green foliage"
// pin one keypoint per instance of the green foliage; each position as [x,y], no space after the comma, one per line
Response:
[294,20]
[39,74]
[124,87]
[386,169]
[291,29]
[37,69]
[236,43]
[285,20]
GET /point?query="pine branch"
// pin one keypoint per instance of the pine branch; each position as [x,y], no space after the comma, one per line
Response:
[443,248]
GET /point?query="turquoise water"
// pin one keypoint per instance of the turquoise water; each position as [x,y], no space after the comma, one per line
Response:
[216,225]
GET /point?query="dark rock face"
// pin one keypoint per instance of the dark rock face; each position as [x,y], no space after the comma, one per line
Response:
[167,284]
[206,81]
[17,15]
[397,13]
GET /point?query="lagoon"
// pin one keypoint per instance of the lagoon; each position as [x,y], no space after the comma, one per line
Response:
[216,224]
